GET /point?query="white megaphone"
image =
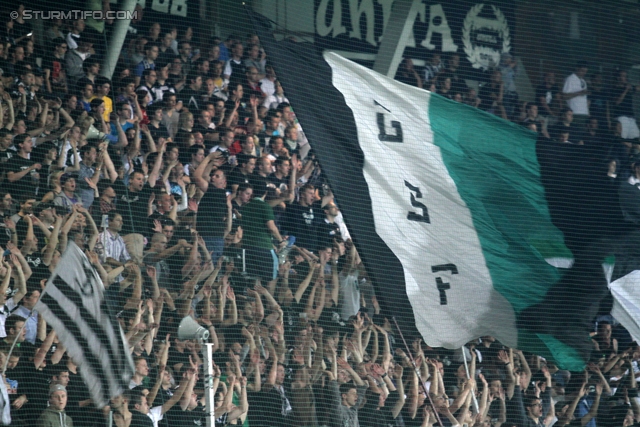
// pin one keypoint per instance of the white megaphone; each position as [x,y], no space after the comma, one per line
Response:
[94,133]
[189,329]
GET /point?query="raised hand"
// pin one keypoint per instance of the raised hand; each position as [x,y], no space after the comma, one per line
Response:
[151,272]
[547,374]
[261,290]
[503,357]
[483,379]
[377,370]
[343,363]
[8,222]
[15,261]
[206,291]
[93,257]
[358,322]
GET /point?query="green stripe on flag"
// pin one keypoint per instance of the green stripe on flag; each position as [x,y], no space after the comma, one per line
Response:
[494,166]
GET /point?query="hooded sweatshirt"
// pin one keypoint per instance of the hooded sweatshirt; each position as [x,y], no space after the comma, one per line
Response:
[52,418]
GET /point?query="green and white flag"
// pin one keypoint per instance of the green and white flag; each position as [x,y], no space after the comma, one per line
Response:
[444,202]
[456,195]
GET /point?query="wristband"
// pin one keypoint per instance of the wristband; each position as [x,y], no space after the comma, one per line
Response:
[383,375]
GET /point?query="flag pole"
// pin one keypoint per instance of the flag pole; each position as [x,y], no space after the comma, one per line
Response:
[466,368]
[417,372]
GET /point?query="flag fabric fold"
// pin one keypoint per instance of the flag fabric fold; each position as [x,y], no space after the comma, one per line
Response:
[444,202]
[73,304]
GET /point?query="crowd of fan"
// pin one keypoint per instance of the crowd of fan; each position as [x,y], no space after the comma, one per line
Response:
[193,191]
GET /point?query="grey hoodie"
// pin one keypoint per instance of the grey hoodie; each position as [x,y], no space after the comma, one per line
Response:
[52,418]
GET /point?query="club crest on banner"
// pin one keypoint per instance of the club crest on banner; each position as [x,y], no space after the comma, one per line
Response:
[485,39]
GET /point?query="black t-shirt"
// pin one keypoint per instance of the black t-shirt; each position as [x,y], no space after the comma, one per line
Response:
[236,177]
[280,183]
[176,357]
[133,207]
[158,132]
[28,184]
[138,419]
[190,97]
[5,156]
[301,221]
[211,213]
[549,94]
[179,418]
[56,67]
[327,231]
[625,108]
[76,392]
[31,382]
[265,408]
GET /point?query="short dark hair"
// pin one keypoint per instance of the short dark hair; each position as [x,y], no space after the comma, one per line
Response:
[282,106]
[151,45]
[11,321]
[530,400]
[90,62]
[120,105]
[127,81]
[58,41]
[193,76]
[136,396]
[244,187]
[56,370]
[147,71]
[193,150]
[271,114]
[151,109]
[243,158]
[95,103]
[280,160]
[20,139]
[111,215]
[346,388]
[102,80]
[171,146]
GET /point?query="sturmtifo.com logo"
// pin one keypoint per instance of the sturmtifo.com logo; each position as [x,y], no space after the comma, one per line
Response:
[75,14]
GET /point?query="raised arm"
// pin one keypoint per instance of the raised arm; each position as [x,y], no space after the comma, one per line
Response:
[20,279]
[199,178]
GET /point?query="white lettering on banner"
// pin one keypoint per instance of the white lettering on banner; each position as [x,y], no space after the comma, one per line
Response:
[356,11]
[336,20]
[436,11]
[160,6]
[179,8]
[174,7]
[386,13]
[484,39]
[484,56]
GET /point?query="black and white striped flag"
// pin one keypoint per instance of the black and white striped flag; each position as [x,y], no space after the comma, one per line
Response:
[73,304]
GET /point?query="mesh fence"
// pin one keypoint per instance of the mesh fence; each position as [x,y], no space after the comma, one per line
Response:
[319,213]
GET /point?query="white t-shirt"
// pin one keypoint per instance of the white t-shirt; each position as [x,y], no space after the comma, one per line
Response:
[5,311]
[349,294]
[578,104]
[155,414]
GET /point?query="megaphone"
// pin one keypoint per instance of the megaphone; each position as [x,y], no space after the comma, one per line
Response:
[94,133]
[189,329]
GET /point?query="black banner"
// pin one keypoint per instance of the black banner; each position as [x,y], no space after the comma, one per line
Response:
[479,32]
